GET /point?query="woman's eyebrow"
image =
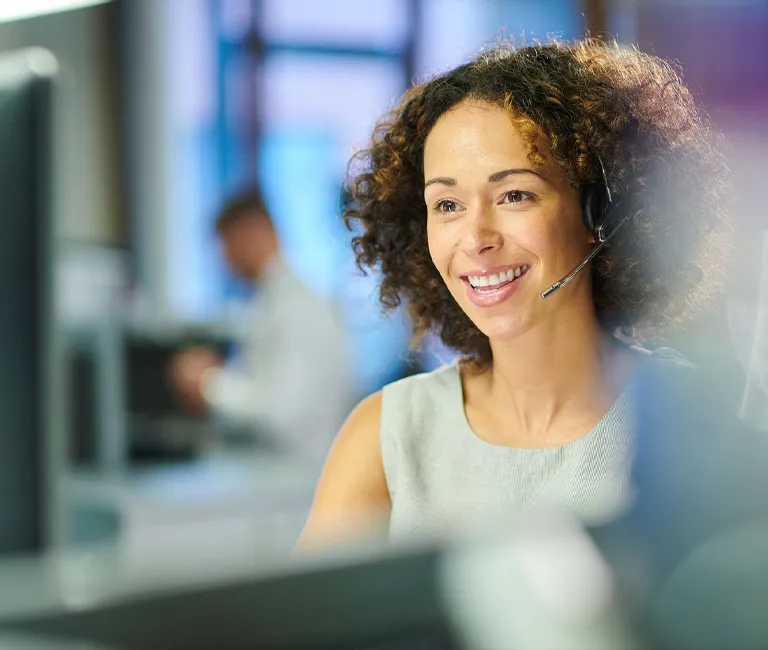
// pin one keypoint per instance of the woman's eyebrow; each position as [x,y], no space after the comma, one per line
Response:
[496,177]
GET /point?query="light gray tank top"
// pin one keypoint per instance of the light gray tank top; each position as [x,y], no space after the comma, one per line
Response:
[444,480]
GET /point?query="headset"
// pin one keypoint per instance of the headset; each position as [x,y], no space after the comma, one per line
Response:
[598,211]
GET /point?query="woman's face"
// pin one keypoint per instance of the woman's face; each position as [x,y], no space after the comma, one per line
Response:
[500,230]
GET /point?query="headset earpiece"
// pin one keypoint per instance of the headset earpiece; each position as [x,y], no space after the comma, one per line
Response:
[597,209]
[592,208]
[596,206]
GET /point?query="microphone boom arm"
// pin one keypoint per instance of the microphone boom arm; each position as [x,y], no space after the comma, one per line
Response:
[595,250]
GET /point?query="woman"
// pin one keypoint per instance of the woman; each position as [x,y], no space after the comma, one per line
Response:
[483,190]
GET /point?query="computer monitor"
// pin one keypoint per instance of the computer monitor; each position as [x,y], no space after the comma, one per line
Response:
[540,586]
[26,325]
[159,428]
[387,602]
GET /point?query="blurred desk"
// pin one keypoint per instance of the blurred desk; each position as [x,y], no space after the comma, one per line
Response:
[256,498]
[259,500]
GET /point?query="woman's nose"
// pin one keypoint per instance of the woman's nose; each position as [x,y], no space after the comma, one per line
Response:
[481,235]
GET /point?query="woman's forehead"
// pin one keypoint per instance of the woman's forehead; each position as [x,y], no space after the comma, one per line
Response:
[482,138]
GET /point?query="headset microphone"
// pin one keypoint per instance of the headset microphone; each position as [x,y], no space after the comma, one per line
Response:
[597,210]
[595,250]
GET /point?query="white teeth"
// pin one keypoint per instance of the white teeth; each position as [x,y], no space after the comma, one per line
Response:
[496,279]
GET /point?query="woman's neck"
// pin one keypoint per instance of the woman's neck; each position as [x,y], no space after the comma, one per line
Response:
[555,376]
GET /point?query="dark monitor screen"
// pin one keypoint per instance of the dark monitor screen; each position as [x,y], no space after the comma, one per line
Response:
[147,359]
[25,291]
[149,392]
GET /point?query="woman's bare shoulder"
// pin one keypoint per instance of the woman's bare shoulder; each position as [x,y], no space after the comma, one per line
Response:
[352,495]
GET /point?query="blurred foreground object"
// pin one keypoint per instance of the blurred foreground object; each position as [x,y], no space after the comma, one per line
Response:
[30,382]
[693,554]
[544,586]
[754,406]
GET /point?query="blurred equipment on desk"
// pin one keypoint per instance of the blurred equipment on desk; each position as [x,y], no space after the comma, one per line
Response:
[121,408]
[159,428]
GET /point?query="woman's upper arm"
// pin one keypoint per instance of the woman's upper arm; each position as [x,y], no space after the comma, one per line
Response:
[352,497]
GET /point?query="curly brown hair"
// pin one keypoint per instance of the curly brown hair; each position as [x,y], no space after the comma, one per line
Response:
[593,100]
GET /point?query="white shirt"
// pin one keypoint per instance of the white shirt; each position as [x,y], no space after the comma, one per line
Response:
[293,381]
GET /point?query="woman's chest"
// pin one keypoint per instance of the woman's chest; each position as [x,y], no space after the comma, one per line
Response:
[444,498]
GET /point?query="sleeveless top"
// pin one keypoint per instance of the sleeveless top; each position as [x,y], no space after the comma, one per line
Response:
[444,480]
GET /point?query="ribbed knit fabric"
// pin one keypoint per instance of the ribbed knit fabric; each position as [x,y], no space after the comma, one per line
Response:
[444,480]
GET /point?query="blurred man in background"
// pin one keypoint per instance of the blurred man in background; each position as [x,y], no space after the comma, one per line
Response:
[290,383]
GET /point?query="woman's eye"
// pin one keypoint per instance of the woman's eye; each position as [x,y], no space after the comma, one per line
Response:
[446,205]
[516,196]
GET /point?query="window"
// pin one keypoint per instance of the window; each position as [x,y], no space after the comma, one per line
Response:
[287,89]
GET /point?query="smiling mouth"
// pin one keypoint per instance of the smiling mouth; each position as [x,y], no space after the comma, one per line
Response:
[488,284]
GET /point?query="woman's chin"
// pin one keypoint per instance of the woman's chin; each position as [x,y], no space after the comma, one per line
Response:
[503,330]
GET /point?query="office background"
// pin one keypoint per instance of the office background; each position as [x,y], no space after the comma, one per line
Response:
[165,107]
